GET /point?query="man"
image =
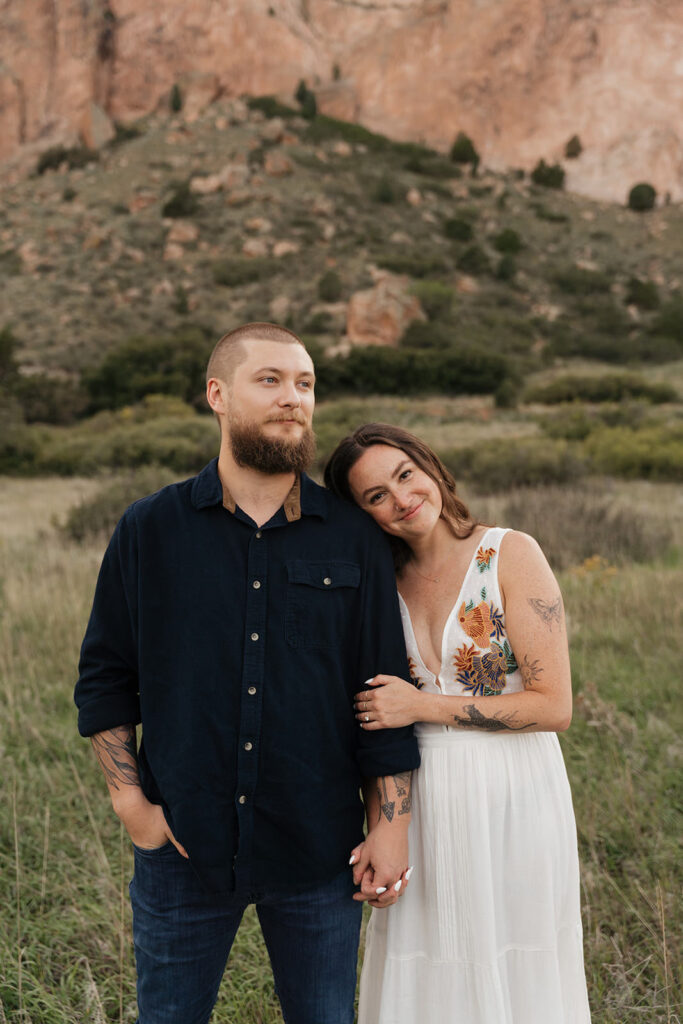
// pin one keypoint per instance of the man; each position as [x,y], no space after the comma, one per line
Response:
[235,616]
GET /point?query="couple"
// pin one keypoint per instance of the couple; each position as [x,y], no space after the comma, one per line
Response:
[249,620]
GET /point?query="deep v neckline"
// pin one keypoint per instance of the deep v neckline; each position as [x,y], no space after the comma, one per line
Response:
[447,623]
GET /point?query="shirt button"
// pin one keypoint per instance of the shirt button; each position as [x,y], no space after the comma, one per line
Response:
[327,581]
[243,799]
[248,745]
[251,691]
[256,584]
[258,535]
[254,636]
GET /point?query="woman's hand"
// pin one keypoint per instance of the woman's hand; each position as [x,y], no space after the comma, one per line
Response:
[390,704]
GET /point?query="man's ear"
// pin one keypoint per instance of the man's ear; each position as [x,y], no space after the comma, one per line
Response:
[216,392]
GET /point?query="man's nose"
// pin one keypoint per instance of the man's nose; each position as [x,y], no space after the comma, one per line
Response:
[290,396]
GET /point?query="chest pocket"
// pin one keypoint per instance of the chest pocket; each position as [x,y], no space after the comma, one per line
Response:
[322,602]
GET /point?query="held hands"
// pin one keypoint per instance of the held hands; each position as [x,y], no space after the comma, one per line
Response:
[380,867]
[146,825]
[390,704]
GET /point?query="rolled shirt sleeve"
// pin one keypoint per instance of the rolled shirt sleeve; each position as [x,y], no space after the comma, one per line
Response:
[106,693]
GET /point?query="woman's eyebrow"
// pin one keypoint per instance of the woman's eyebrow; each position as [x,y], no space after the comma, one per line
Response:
[377,487]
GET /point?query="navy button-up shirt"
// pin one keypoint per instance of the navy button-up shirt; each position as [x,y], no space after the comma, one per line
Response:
[239,648]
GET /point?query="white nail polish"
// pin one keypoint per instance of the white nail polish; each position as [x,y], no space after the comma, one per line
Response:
[352,859]
[381,889]
[409,873]
[397,887]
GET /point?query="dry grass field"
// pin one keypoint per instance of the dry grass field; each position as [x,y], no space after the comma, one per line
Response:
[65,950]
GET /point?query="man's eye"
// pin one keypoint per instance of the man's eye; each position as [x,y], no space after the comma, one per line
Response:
[308,384]
[268,380]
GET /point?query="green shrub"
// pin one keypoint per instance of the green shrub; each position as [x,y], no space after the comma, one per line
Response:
[271,107]
[9,367]
[175,101]
[643,294]
[320,323]
[19,444]
[74,156]
[463,151]
[379,370]
[507,268]
[143,365]
[97,516]
[435,298]
[642,197]
[474,261]
[431,167]
[458,229]
[669,322]
[431,335]
[10,263]
[384,191]
[609,387]
[573,525]
[413,266]
[548,175]
[573,149]
[305,97]
[508,241]
[652,453]
[330,286]
[579,281]
[182,203]
[122,440]
[552,216]
[240,270]
[574,422]
[506,395]
[495,466]
[45,399]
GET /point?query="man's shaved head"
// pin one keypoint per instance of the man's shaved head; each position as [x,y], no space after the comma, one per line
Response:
[230,350]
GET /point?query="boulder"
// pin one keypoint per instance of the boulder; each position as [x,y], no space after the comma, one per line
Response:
[285,248]
[379,315]
[255,247]
[276,164]
[183,231]
[96,127]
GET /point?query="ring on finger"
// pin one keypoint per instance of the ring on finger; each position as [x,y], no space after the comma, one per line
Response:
[367,718]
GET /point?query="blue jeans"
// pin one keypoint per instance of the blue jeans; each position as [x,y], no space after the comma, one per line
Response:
[183,936]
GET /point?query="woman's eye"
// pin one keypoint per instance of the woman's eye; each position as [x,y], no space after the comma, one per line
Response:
[376,497]
[405,474]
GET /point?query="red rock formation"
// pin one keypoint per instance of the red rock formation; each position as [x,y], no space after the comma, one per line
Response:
[519,76]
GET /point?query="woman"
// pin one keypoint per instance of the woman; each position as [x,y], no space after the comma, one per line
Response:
[489,929]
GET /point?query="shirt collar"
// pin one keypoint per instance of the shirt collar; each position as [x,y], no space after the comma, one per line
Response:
[305,498]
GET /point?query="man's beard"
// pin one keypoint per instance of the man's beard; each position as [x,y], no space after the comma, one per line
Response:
[251,448]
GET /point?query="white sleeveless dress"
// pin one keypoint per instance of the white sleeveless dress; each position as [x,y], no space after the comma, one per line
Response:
[489,929]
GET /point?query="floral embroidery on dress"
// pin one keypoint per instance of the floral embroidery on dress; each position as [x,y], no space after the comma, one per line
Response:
[483,557]
[417,682]
[484,674]
[481,622]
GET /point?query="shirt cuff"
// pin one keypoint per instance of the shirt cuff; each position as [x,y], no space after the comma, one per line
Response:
[107,712]
[401,756]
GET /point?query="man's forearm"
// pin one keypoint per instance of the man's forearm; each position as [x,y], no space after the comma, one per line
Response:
[388,798]
[117,752]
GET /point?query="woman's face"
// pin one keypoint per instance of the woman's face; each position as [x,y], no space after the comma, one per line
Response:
[400,496]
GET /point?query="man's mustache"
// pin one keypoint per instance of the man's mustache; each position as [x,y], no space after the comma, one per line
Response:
[286,419]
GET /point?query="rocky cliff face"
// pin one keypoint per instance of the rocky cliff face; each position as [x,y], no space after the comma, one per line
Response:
[519,76]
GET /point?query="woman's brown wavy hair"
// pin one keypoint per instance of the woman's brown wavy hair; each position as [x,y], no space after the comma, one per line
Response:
[347,453]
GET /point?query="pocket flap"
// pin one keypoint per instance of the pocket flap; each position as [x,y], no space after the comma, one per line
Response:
[323,575]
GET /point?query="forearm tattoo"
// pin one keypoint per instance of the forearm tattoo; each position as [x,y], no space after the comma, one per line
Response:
[386,806]
[530,671]
[116,751]
[402,782]
[548,613]
[496,723]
